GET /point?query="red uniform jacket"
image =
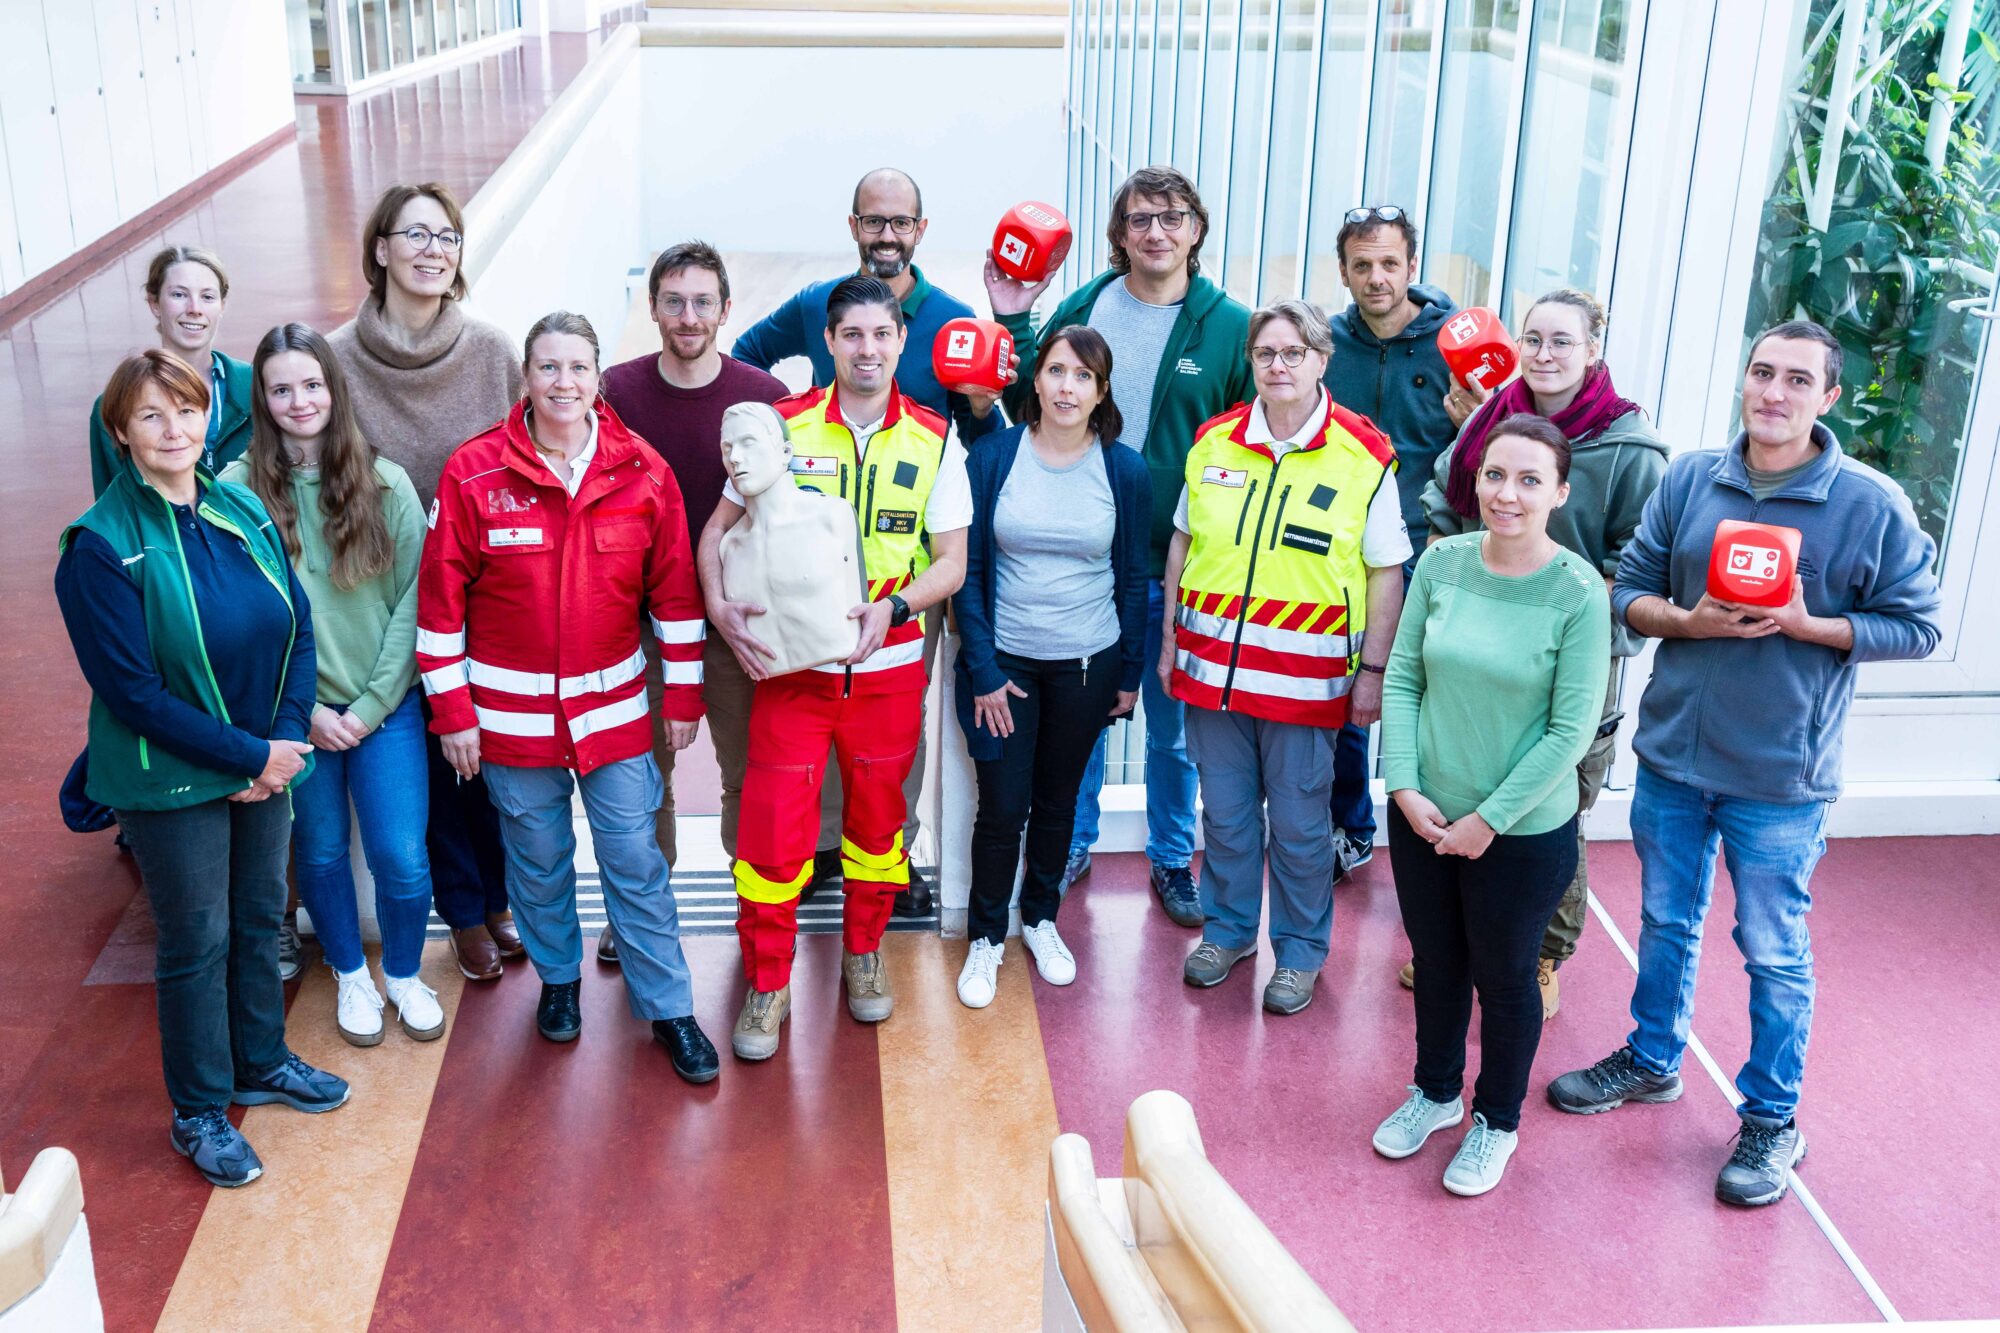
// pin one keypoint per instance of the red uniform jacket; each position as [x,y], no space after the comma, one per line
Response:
[530,604]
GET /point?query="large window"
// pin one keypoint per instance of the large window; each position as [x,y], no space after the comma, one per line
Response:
[338,45]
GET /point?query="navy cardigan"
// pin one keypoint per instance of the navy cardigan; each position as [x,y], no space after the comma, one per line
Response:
[987,464]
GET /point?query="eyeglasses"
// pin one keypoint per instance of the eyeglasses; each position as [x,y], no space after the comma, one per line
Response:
[703,306]
[1383,213]
[1559,346]
[1262,357]
[1171,220]
[420,238]
[901,224]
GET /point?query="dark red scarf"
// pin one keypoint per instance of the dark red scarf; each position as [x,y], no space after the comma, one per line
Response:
[1595,407]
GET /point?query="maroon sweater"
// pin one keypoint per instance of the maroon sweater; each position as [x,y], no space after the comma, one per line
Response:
[685,425]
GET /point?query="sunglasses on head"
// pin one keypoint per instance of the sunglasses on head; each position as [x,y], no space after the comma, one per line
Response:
[1385,213]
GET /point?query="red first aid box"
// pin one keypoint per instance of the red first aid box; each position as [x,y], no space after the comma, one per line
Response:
[972,353]
[1753,563]
[1477,349]
[1031,240]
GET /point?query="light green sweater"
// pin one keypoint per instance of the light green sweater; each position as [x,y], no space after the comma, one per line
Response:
[365,637]
[1495,686]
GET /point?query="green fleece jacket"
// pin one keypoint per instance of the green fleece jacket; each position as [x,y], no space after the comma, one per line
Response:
[366,636]
[1610,479]
[232,434]
[1204,372]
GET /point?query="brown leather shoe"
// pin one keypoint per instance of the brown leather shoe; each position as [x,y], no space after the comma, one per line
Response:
[505,937]
[477,957]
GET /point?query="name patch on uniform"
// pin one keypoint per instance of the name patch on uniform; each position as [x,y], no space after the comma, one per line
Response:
[1224,476]
[503,500]
[1322,497]
[514,536]
[804,466]
[902,522]
[906,475]
[1306,539]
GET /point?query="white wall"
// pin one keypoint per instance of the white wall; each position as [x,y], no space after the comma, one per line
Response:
[109,106]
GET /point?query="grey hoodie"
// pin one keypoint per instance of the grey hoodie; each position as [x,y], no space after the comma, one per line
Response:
[1764,719]
[1400,386]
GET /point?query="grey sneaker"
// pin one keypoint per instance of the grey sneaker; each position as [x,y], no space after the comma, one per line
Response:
[218,1150]
[1415,1121]
[1759,1171]
[756,1034]
[1610,1083]
[1174,886]
[291,949]
[1480,1159]
[1350,853]
[1289,990]
[869,998]
[1076,868]
[1209,964]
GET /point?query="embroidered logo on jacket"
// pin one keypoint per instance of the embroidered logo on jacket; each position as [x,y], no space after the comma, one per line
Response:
[902,522]
[514,536]
[1224,476]
[1186,366]
[804,465]
[1306,539]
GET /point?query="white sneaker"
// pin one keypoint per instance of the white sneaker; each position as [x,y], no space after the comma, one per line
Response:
[1481,1158]
[417,1007]
[358,1010]
[980,976]
[1415,1121]
[1052,957]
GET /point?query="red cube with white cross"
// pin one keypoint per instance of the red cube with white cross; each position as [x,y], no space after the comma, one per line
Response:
[1477,349]
[1030,241]
[972,354]
[1753,564]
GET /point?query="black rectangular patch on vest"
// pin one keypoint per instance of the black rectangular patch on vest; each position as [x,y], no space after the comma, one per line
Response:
[906,477]
[1322,497]
[1306,539]
[902,522]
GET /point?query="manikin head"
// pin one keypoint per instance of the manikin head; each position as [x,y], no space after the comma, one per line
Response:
[756,447]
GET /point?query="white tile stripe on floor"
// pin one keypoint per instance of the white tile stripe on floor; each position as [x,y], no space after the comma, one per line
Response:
[1728,1087]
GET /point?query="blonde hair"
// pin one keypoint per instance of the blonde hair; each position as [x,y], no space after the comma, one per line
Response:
[1594,315]
[156,272]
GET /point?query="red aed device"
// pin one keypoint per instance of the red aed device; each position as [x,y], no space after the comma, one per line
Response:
[1477,349]
[972,354]
[1753,563]
[1030,241]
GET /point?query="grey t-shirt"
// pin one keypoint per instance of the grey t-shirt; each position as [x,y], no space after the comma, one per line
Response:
[1052,532]
[1137,333]
[1763,485]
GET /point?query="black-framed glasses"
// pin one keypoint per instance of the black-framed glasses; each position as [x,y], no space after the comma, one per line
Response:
[1293,356]
[1375,213]
[1170,219]
[704,307]
[873,223]
[420,238]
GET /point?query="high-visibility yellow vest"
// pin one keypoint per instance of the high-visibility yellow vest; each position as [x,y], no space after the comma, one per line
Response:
[1273,595]
[889,490]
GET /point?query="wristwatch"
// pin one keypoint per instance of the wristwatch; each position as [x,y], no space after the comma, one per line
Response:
[899,611]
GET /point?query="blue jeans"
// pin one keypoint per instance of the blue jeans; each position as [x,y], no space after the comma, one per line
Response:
[385,777]
[1170,775]
[1771,851]
[1352,805]
[619,800]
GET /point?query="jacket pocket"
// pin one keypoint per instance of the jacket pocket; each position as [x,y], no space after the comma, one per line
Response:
[628,535]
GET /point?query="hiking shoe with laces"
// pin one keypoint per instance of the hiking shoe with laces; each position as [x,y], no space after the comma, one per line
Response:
[417,1008]
[291,949]
[1410,1124]
[295,1084]
[1481,1158]
[1076,868]
[1610,1083]
[869,998]
[980,977]
[755,1036]
[1209,964]
[559,1013]
[221,1153]
[357,1007]
[1759,1171]
[1289,990]
[1175,887]
[1052,957]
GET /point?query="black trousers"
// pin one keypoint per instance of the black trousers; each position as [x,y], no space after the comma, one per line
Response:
[1033,785]
[1478,925]
[468,862]
[215,874]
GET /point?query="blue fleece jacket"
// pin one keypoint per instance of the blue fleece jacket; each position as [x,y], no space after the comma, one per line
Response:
[1764,719]
[1400,386]
[798,328]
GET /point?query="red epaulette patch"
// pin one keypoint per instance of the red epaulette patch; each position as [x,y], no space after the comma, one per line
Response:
[1368,433]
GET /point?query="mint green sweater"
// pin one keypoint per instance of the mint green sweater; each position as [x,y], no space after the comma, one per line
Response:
[366,637]
[1495,686]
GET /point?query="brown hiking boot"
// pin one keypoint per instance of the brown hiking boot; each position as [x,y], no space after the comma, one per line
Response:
[1545,972]
[756,1033]
[869,998]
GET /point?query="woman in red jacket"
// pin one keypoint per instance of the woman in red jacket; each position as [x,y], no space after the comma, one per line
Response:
[554,537]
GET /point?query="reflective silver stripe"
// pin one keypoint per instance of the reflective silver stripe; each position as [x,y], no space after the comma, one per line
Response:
[679,631]
[515,724]
[610,678]
[508,680]
[1265,636]
[433,644]
[885,659]
[607,717]
[445,678]
[1305,689]
[681,673]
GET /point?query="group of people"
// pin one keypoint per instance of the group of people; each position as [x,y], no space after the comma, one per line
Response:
[1270,528]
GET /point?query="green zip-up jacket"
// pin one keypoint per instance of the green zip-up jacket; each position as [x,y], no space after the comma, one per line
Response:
[364,638]
[232,435]
[1204,372]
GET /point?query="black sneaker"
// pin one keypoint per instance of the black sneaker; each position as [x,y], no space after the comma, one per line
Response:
[558,1017]
[221,1153]
[688,1046]
[1759,1171]
[826,870]
[1175,887]
[917,900]
[1076,868]
[295,1084]
[291,949]
[1610,1083]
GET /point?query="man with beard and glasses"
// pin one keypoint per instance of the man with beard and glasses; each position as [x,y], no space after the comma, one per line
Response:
[887,222]
[674,401]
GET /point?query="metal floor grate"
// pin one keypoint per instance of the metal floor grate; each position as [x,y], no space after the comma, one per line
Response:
[706,903]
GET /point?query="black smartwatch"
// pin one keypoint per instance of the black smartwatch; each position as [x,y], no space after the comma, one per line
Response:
[899,611]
